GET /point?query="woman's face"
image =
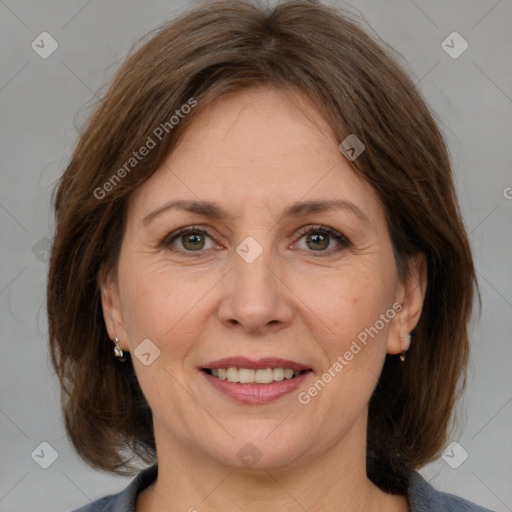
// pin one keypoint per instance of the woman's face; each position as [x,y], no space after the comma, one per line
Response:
[258,276]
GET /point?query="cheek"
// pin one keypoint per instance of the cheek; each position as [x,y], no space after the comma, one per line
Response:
[353,352]
[149,304]
[353,299]
[352,306]
[155,307]
[163,306]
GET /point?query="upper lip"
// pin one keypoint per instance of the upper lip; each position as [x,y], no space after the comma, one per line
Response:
[266,362]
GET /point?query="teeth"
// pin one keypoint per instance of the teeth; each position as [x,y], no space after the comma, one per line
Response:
[251,376]
[232,374]
[288,373]
[264,376]
[278,374]
[245,375]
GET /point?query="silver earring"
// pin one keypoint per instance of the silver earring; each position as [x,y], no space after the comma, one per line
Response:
[402,355]
[118,351]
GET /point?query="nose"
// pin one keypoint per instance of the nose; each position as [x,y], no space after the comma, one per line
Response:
[256,297]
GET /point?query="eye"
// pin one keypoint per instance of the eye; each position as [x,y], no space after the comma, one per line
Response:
[191,239]
[319,238]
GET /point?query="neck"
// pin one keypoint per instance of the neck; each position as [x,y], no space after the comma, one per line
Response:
[336,479]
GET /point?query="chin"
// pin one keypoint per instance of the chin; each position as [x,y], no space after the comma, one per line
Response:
[253,452]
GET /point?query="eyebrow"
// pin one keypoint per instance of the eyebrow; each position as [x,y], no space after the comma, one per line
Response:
[209,209]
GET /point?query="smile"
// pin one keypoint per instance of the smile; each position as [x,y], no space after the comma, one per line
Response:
[254,382]
[252,376]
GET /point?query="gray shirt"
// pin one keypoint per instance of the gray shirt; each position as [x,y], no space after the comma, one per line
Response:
[421,495]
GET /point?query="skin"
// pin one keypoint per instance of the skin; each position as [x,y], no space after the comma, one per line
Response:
[254,153]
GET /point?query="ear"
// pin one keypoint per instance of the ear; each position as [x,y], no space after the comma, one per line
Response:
[411,295]
[111,305]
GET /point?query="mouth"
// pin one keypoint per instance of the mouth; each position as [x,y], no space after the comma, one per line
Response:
[255,382]
[254,376]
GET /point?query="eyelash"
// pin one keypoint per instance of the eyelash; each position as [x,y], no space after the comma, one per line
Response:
[343,242]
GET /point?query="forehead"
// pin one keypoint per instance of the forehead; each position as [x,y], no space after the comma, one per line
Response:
[258,148]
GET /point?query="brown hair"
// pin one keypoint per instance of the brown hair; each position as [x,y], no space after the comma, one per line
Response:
[360,88]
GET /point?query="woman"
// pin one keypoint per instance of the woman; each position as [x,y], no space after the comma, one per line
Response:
[260,271]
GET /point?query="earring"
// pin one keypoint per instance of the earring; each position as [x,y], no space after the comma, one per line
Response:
[118,351]
[406,346]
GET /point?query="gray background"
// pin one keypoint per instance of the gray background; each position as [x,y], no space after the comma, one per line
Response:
[41,102]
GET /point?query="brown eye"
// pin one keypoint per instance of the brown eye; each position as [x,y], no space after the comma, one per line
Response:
[189,240]
[193,241]
[319,238]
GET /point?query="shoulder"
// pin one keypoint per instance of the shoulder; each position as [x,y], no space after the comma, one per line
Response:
[424,498]
[125,500]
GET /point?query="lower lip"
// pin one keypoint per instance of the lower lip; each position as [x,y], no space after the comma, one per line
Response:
[256,393]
